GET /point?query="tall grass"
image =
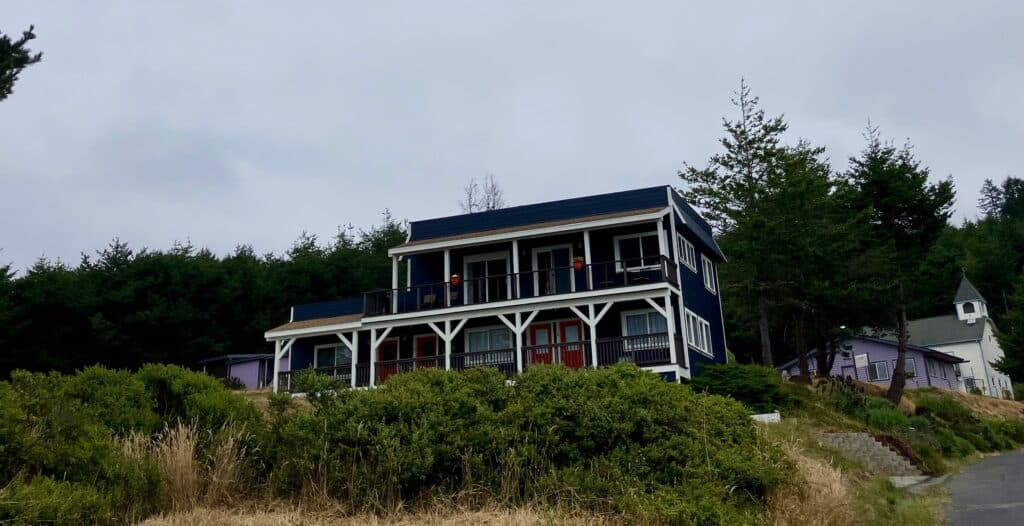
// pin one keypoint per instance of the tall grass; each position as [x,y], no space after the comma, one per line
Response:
[175,450]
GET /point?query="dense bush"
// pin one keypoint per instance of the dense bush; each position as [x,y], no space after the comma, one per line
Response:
[880,414]
[760,388]
[61,452]
[616,438]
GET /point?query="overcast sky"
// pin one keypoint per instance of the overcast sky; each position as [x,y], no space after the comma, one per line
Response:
[248,122]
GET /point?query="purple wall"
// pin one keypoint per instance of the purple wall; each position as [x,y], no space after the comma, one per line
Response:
[881,352]
[248,373]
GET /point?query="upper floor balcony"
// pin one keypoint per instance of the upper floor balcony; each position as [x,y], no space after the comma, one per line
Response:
[488,281]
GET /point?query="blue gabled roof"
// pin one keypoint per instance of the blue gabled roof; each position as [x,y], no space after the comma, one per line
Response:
[525,215]
[698,225]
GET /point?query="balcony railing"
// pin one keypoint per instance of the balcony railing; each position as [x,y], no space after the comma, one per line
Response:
[642,350]
[503,360]
[570,354]
[526,284]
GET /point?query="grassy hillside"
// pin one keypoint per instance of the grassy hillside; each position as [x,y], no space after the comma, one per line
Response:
[609,446]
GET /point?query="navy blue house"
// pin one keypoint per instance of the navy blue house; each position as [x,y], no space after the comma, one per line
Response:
[585,282]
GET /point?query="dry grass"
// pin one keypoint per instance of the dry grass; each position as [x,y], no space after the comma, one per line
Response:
[174,451]
[821,495]
[254,515]
[224,477]
[988,407]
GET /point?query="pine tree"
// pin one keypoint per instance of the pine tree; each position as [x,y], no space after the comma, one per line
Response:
[14,57]
[1011,335]
[991,201]
[731,191]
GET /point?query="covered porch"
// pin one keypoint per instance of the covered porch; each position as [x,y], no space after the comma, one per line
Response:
[638,330]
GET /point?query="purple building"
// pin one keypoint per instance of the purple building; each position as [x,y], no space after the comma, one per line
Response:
[253,370]
[873,359]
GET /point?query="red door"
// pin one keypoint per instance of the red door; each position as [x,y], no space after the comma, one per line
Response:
[540,343]
[387,352]
[426,349]
[570,334]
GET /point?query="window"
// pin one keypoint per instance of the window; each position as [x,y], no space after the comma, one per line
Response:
[933,369]
[909,367]
[637,251]
[698,333]
[331,355]
[878,371]
[709,272]
[968,308]
[481,340]
[942,370]
[643,322]
[687,254]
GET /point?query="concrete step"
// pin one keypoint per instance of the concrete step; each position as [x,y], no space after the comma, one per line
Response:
[876,456]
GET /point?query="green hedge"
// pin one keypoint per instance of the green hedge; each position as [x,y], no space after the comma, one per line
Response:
[759,388]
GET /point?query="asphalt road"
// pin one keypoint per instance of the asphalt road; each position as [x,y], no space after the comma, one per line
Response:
[989,492]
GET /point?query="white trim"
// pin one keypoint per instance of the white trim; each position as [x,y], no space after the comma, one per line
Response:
[536,275]
[706,263]
[704,327]
[528,233]
[619,267]
[917,373]
[871,367]
[477,258]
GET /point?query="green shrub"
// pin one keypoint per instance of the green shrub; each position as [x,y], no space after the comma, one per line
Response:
[183,395]
[943,407]
[1011,428]
[885,418]
[118,399]
[44,500]
[843,396]
[760,388]
[1018,391]
[618,438]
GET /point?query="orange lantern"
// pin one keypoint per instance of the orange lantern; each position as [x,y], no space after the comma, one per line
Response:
[455,280]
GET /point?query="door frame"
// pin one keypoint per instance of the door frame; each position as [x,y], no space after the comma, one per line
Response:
[549,248]
[489,256]
[416,345]
[398,347]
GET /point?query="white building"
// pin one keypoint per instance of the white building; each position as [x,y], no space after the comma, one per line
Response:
[968,334]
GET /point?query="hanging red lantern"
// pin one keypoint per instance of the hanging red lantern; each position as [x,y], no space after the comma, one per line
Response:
[577,263]
[455,280]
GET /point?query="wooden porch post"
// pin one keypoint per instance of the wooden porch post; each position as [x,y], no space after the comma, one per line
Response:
[394,285]
[373,356]
[446,280]
[515,268]
[670,319]
[447,338]
[355,355]
[587,259]
[277,362]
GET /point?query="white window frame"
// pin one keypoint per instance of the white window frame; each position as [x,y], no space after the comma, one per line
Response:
[932,365]
[630,345]
[708,273]
[905,362]
[536,276]
[687,252]
[698,333]
[619,264]
[872,368]
[317,348]
[490,256]
[942,371]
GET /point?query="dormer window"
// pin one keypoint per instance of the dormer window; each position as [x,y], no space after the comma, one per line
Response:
[968,308]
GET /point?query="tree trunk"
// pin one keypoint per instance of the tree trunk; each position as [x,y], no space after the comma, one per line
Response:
[899,377]
[766,342]
[833,348]
[800,340]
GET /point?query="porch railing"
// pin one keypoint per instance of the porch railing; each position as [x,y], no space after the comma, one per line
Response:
[570,354]
[342,373]
[526,284]
[388,368]
[644,349]
[503,360]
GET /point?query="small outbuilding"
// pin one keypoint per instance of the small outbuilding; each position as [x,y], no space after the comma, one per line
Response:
[254,371]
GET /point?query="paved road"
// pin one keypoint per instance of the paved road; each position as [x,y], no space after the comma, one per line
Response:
[989,492]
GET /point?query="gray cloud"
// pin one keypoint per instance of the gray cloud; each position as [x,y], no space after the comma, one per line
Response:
[243,123]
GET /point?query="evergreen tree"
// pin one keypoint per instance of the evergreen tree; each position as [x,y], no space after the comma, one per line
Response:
[991,201]
[731,190]
[1011,335]
[15,56]
[907,214]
